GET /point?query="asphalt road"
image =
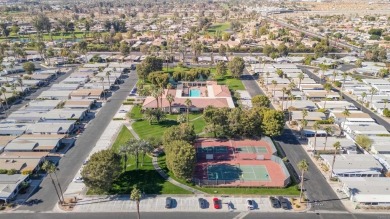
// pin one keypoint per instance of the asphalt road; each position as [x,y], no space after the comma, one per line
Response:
[35,93]
[378,118]
[316,185]
[176,215]
[71,162]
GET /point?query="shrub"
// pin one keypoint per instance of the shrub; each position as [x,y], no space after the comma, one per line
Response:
[26,172]
[2,171]
[12,172]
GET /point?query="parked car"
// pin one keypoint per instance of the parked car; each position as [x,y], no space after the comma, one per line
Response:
[78,179]
[202,203]
[168,202]
[274,202]
[250,204]
[216,203]
[284,203]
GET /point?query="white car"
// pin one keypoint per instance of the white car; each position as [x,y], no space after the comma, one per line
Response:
[250,204]
[78,179]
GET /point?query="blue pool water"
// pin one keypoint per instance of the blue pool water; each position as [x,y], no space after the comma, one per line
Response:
[194,93]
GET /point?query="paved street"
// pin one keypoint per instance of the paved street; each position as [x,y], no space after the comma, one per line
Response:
[378,118]
[71,162]
[36,93]
[181,204]
[188,215]
[316,185]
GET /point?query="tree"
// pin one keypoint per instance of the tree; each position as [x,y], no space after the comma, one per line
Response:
[273,123]
[359,63]
[136,196]
[284,90]
[280,73]
[236,66]
[108,74]
[50,168]
[180,159]
[328,131]
[124,48]
[364,141]
[373,91]
[3,91]
[41,23]
[188,104]
[183,132]
[315,127]
[336,147]
[150,64]
[301,76]
[303,125]
[29,67]
[364,95]
[327,88]
[303,166]
[346,114]
[274,83]
[82,48]
[260,101]
[344,75]
[170,99]
[102,169]
[221,69]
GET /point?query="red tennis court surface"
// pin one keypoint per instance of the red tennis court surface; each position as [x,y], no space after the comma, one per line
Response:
[246,163]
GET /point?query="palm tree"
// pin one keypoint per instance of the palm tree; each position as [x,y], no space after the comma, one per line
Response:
[364,95]
[328,88]
[50,168]
[315,127]
[267,74]
[20,83]
[284,90]
[124,150]
[136,196]
[170,99]
[303,166]
[345,75]
[3,90]
[108,73]
[372,92]
[134,148]
[328,131]
[335,74]
[301,76]
[336,147]
[104,90]
[274,83]
[292,85]
[188,103]
[156,94]
[145,147]
[303,125]
[386,101]
[346,113]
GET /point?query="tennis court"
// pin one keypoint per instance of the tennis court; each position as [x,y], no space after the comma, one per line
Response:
[251,149]
[212,150]
[240,172]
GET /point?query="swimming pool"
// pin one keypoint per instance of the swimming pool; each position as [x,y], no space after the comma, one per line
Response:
[194,93]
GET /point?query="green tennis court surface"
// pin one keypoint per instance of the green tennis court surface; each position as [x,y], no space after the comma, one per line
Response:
[231,172]
[251,149]
[211,150]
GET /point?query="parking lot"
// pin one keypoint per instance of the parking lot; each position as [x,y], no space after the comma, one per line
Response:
[179,203]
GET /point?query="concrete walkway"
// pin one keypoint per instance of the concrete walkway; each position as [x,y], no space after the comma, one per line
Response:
[159,170]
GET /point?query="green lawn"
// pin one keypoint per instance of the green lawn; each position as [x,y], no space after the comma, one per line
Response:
[219,26]
[123,136]
[233,83]
[135,112]
[146,130]
[145,177]
[148,180]
[291,190]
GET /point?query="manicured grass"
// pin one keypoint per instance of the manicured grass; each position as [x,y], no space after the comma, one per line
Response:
[123,136]
[233,83]
[291,190]
[135,112]
[147,179]
[218,26]
[146,130]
